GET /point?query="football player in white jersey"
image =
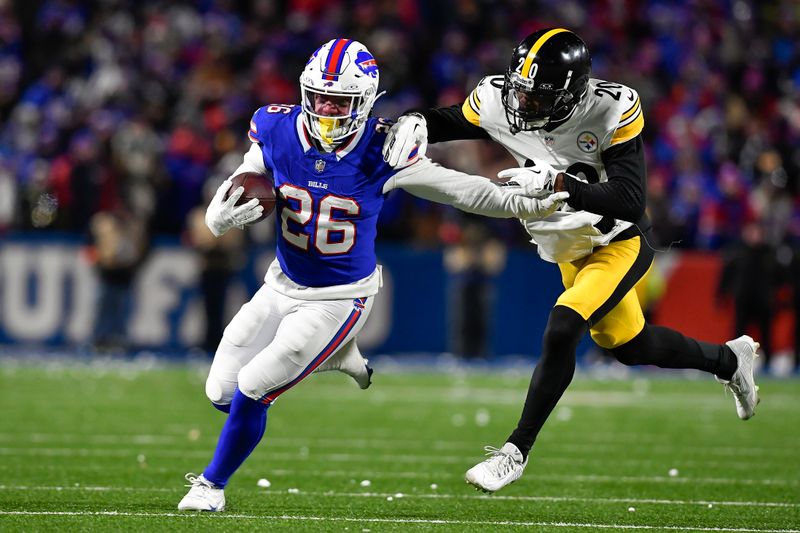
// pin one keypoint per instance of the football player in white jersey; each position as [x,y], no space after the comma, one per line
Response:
[570,132]
[330,181]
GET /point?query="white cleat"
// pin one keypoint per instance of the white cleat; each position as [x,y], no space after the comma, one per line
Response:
[202,496]
[503,467]
[348,359]
[742,384]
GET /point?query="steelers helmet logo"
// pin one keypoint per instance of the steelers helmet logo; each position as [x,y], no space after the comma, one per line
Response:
[587,142]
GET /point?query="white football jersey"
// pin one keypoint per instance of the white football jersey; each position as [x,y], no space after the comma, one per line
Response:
[609,114]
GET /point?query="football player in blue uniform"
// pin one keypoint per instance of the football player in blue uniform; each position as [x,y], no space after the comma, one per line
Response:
[571,132]
[330,181]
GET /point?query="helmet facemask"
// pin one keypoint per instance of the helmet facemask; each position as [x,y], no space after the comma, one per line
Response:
[348,111]
[529,109]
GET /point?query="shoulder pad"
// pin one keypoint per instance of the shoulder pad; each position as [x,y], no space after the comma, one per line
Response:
[264,117]
[620,108]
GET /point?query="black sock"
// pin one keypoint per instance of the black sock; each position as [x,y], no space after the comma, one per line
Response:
[667,348]
[552,374]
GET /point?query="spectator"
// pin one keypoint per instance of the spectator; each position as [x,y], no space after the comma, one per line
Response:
[472,260]
[749,276]
[220,259]
[118,248]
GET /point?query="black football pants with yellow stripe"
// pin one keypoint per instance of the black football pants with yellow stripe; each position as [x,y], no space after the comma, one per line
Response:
[600,297]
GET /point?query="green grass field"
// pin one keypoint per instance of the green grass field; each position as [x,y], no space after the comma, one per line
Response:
[90,447]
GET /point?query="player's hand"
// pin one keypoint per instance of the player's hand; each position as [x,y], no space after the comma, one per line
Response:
[223,213]
[535,181]
[551,204]
[410,133]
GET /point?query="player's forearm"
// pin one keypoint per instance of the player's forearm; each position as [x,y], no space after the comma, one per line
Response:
[623,196]
[449,124]
[473,194]
[613,198]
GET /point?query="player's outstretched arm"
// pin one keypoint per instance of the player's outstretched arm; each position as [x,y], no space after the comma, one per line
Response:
[473,194]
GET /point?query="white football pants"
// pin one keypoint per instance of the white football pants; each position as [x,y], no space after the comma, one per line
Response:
[275,341]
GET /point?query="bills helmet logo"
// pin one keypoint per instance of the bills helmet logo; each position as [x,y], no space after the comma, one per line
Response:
[367,64]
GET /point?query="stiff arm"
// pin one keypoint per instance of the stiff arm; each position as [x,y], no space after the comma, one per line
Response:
[473,194]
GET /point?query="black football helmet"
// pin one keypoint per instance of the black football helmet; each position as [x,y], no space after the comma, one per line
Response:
[546,78]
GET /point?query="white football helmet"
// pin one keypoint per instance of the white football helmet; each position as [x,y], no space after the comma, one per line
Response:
[343,71]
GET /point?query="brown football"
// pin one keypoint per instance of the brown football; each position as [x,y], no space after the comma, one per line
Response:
[258,186]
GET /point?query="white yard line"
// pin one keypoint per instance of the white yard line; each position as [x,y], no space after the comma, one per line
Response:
[400,521]
[713,401]
[435,496]
[356,458]
[609,441]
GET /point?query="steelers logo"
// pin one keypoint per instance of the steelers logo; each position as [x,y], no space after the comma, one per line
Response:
[587,142]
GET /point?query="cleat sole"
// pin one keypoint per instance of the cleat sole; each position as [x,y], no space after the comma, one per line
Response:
[478,488]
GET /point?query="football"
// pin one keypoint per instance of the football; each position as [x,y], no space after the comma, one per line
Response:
[260,186]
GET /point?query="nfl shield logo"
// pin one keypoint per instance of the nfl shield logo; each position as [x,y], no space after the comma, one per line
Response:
[549,140]
[319,166]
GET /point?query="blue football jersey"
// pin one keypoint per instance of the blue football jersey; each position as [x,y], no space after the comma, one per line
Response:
[327,204]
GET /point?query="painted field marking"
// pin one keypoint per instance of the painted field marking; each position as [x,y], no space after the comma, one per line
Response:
[389,458]
[605,442]
[436,496]
[223,516]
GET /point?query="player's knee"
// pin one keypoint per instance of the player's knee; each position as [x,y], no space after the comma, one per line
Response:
[251,383]
[634,352]
[564,330]
[219,392]
[625,355]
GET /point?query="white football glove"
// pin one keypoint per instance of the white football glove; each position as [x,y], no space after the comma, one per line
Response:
[536,181]
[408,133]
[548,206]
[223,214]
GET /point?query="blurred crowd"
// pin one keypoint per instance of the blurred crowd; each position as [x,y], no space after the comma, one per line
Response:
[126,113]
[135,105]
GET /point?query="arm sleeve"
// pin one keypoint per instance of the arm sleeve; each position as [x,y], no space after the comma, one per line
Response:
[623,195]
[473,194]
[449,124]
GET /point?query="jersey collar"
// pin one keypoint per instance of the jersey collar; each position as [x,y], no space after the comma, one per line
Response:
[550,126]
[341,151]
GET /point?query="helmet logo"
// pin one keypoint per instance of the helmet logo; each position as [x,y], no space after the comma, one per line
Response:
[337,60]
[587,142]
[328,84]
[367,64]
